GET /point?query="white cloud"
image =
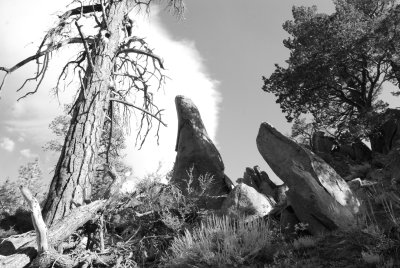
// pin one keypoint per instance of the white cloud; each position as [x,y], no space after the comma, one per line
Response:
[7,144]
[188,77]
[27,153]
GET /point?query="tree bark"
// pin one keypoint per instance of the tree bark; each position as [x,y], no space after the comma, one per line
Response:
[71,184]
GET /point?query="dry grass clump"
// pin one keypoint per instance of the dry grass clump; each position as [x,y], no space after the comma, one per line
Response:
[220,242]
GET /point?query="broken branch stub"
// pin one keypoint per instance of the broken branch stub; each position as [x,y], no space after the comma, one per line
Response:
[37,220]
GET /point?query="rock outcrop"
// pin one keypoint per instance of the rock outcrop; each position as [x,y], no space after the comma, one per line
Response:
[361,151]
[326,148]
[260,181]
[340,155]
[246,201]
[317,194]
[321,143]
[388,134]
[197,154]
[356,151]
[288,221]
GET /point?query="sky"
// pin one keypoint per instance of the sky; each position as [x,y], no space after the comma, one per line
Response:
[216,55]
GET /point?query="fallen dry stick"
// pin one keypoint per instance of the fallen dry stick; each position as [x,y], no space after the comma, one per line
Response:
[24,248]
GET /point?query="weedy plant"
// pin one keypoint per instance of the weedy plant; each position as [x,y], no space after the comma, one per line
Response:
[304,242]
[219,242]
[370,258]
[145,222]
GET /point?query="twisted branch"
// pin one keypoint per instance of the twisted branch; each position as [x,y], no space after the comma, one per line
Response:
[140,109]
[147,53]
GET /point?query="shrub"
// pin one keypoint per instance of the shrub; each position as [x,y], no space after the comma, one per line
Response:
[143,224]
[304,242]
[359,171]
[10,198]
[19,222]
[370,258]
[220,241]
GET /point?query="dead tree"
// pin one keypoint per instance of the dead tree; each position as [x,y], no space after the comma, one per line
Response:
[112,65]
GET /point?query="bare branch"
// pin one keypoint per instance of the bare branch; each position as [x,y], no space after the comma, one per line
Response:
[110,134]
[103,12]
[34,57]
[81,81]
[40,54]
[140,109]
[40,74]
[177,7]
[64,73]
[88,56]
[147,53]
[37,219]
[81,10]
[3,81]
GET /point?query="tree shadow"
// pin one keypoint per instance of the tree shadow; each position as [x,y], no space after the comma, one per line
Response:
[20,221]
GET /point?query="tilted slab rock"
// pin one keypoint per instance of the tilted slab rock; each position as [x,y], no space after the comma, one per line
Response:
[198,154]
[318,195]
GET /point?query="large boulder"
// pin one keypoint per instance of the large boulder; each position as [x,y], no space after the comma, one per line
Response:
[338,154]
[388,134]
[197,157]
[246,201]
[259,180]
[317,194]
[362,153]
[321,143]
[342,154]
[327,148]
[288,221]
[356,151]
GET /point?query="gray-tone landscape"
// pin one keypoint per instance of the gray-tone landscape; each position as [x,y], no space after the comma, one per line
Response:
[123,126]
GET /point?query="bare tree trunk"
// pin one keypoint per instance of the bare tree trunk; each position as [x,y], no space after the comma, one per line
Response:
[71,184]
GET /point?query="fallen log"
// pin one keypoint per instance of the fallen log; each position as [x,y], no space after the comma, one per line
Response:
[20,250]
[23,248]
